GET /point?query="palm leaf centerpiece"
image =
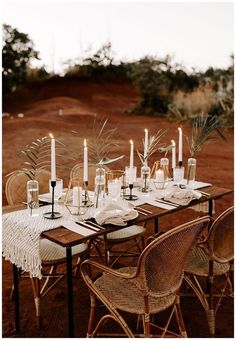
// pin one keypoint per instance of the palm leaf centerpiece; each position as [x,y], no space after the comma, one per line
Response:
[203,127]
[153,146]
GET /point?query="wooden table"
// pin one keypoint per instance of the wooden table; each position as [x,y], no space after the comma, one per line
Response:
[68,239]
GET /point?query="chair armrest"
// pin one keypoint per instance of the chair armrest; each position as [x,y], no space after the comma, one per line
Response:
[104,269]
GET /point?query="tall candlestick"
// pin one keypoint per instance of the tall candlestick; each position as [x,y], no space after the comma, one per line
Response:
[173,154]
[145,143]
[53,158]
[180,145]
[85,162]
[131,163]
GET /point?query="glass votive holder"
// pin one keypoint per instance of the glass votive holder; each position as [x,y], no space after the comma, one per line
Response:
[57,190]
[178,174]
[114,188]
[191,172]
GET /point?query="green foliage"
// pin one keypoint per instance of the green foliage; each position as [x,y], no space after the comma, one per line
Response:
[97,66]
[18,51]
[150,78]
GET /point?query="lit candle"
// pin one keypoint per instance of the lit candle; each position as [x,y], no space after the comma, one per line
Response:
[145,143]
[173,154]
[131,162]
[85,162]
[180,145]
[77,196]
[53,158]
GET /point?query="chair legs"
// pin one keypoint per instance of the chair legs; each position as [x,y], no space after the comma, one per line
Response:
[180,320]
[37,299]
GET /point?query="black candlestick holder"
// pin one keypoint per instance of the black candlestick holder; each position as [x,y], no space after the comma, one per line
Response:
[52,215]
[131,197]
[86,201]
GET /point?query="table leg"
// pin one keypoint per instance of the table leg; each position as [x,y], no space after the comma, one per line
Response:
[16,298]
[156,225]
[70,293]
[210,208]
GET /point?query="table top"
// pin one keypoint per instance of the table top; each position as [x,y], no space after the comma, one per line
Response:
[68,238]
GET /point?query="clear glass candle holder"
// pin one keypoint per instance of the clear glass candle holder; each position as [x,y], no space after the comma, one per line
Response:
[145,178]
[191,172]
[33,197]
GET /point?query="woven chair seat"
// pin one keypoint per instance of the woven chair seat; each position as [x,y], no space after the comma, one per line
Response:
[198,264]
[52,252]
[126,296]
[126,233]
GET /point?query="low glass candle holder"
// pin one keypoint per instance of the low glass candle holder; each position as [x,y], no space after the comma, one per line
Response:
[77,200]
[160,185]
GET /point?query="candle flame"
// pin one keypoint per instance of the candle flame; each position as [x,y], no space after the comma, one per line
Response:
[180,130]
[146,130]
[85,144]
[51,135]
[131,142]
[173,142]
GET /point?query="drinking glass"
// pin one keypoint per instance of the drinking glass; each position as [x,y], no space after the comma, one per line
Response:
[33,197]
[115,182]
[191,172]
[178,174]
[134,174]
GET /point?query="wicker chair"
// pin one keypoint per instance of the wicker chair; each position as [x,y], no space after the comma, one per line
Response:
[149,288]
[52,254]
[134,233]
[16,186]
[211,258]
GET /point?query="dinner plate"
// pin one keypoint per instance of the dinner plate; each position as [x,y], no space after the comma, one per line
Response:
[47,197]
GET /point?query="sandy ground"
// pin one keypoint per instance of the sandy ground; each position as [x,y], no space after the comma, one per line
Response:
[80,102]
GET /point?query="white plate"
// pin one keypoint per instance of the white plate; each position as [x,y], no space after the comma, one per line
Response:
[47,197]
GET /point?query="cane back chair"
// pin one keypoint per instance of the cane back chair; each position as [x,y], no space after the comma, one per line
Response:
[134,233]
[149,288]
[51,254]
[211,258]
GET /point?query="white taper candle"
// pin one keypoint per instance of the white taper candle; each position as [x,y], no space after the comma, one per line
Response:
[180,145]
[53,159]
[85,162]
[173,154]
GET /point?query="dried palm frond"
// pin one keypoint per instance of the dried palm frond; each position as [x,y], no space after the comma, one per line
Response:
[38,156]
[102,140]
[203,127]
[165,149]
[153,146]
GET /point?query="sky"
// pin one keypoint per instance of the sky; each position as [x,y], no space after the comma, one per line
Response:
[195,34]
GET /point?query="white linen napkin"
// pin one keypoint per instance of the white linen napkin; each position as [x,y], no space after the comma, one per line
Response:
[116,214]
[181,196]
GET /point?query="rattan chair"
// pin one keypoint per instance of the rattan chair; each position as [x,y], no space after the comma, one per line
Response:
[52,254]
[212,258]
[134,233]
[16,186]
[149,288]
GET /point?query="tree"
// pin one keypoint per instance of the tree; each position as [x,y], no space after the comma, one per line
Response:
[18,51]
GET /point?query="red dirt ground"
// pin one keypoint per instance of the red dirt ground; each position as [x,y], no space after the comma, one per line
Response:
[80,102]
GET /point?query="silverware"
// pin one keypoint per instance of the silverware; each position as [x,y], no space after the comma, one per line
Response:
[87,226]
[203,193]
[144,210]
[168,203]
[141,212]
[95,224]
